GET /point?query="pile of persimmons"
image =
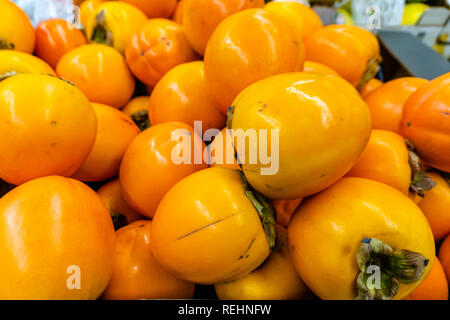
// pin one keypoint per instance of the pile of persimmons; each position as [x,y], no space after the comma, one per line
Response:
[111,189]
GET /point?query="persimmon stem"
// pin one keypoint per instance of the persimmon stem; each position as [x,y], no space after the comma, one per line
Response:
[141,119]
[383,269]
[265,211]
[101,34]
[373,66]
[4,44]
[420,181]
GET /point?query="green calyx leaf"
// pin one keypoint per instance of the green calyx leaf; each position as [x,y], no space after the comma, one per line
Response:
[5,44]
[420,181]
[265,211]
[141,119]
[101,33]
[373,66]
[383,269]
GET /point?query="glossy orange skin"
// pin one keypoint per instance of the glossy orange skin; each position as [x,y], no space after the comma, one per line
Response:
[444,256]
[434,287]
[206,230]
[155,8]
[285,209]
[15,27]
[370,86]
[318,68]
[87,9]
[181,96]
[55,133]
[115,131]
[435,205]
[386,160]
[158,47]
[111,193]
[100,72]
[235,59]
[179,11]
[137,275]
[326,231]
[298,104]
[21,62]
[346,49]
[148,172]
[426,122]
[303,19]
[201,17]
[221,151]
[46,226]
[56,37]
[386,102]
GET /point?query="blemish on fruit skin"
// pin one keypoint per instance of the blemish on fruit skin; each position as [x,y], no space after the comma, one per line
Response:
[53,123]
[409,124]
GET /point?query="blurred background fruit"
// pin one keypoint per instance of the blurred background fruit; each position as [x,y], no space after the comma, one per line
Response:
[16,30]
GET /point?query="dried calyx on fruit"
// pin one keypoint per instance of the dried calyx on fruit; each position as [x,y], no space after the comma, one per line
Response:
[383,269]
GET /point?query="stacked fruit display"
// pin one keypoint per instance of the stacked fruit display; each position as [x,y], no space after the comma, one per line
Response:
[229,143]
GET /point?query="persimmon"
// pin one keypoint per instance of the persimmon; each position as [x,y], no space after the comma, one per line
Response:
[155,161]
[280,113]
[275,279]
[66,241]
[115,131]
[56,37]
[181,95]
[318,68]
[12,61]
[16,30]
[351,51]
[435,205]
[235,59]
[284,210]
[87,9]
[201,17]
[114,23]
[426,122]
[121,212]
[179,11]
[444,256]
[55,133]
[155,8]
[136,273]
[302,19]
[207,228]
[359,226]
[434,287]
[159,46]
[370,86]
[137,109]
[385,159]
[387,101]
[221,150]
[100,72]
